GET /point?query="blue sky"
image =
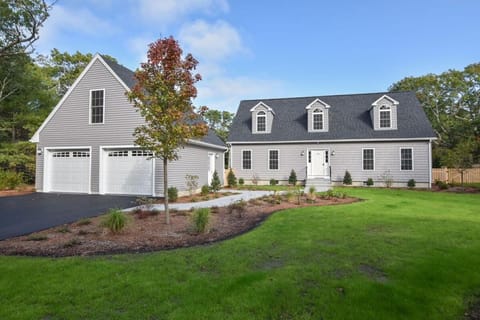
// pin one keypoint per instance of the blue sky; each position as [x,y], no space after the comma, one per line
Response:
[266,49]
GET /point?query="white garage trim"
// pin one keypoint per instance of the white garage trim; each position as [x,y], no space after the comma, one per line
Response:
[47,166]
[103,166]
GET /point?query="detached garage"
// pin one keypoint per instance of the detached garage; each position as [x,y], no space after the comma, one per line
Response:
[67,170]
[127,171]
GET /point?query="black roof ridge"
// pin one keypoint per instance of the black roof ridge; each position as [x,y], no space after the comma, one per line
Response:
[331,95]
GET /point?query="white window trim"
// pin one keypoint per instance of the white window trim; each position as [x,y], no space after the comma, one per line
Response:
[90,106]
[278,160]
[389,110]
[374,160]
[314,112]
[413,161]
[47,154]
[258,115]
[251,159]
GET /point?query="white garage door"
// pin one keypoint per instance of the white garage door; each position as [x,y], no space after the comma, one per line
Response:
[128,172]
[68,171]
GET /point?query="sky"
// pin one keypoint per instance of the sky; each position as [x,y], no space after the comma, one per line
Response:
[275,49]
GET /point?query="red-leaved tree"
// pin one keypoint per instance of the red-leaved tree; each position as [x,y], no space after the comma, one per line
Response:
[163,95]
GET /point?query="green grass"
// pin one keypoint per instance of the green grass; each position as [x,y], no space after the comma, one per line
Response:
[397,255]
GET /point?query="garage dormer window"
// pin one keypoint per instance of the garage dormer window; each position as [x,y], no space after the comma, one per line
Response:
[97,106]
[261,121]
[385,117]
[317,118]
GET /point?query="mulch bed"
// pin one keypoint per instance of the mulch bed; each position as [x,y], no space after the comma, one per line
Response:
[146,232]
[17,192]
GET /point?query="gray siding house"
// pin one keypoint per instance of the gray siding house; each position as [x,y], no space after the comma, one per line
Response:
[375,136]
[86,144]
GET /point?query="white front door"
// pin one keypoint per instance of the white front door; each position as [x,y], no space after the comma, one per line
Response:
[319,166]
[211,167]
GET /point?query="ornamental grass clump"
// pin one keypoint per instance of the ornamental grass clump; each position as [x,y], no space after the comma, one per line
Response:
[115,220]
[200,219]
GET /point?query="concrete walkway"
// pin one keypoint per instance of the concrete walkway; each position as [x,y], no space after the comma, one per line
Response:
[220,202]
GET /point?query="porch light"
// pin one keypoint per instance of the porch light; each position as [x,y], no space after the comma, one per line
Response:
[302,153]
[39,151]
[332,153]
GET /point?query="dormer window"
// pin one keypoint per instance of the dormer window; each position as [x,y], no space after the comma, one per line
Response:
[317,118]
[385,117]
[261,121]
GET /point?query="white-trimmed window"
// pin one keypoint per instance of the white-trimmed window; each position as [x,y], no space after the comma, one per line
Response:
[317,119]
[368,159]
[246,159]
[273,159]
[385,117]
[406,159]
[97,106]
[61,154]
[123,153]
[81,154]
[261,121]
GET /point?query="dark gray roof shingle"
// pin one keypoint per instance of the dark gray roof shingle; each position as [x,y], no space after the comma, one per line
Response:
[349,118]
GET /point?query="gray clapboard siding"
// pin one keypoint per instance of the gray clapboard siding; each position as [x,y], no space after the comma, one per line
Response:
[348,156]
[69,127]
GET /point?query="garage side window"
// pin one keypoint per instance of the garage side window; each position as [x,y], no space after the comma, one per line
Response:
[97,106]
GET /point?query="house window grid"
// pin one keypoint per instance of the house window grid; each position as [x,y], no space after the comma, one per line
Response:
[273,159]
[261,121]
[141,153]
[61,154]
[317,119]
[97,106]
[406,159]
[246,159]
[385,117]
[368,159]
[123,153]
[80,154]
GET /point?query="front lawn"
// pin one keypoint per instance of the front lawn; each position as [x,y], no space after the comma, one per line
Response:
[397,255]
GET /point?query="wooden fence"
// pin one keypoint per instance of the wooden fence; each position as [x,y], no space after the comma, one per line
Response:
[450,175]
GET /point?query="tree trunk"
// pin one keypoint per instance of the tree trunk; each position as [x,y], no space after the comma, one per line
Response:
[165,190]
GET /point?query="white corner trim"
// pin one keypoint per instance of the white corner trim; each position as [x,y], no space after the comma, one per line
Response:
[395,102]
[36,136]
[261,104]
[325,105]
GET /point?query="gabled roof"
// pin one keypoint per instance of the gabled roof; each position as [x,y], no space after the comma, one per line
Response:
[126,75]
[349,119]
[311,104]
[387,97]
[261,104]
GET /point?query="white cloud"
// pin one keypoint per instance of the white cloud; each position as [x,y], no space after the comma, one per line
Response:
[64,20]
[167,11]
[211,42]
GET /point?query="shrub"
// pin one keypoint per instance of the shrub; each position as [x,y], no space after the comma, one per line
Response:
[72,243]
[63,229]
[241,181]
[205,190]
[292,179]
[172,194]
[10,180]
[411,183]
[239,206]
[255,179]
[387,179]
[231,179]
[145,203]
[200,219]
[216,184]
[115,220]
[191,181]
[37,237]
[441,184]
[347,178]
[369,182]
[273,182]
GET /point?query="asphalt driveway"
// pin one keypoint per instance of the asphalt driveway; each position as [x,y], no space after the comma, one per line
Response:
[25,214]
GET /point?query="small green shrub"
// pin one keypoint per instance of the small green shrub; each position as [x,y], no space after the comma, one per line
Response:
[216,184]
[273,182]
[146,203]
[292,179]
[63,229]
[312,190]
[239,206]
[411,183]
[241,181]
[441,184]
[72,243]
[231,179]
[200,219]
[37,237]
[347,178]
[115,220]
[10,180]
[369,182]
[205,190]
[172,194]
[84,222]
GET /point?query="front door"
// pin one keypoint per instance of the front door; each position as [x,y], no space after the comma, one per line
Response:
[211,167]
[319,166]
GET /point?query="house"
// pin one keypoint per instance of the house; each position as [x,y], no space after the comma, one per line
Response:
[382,136]
[86,144]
